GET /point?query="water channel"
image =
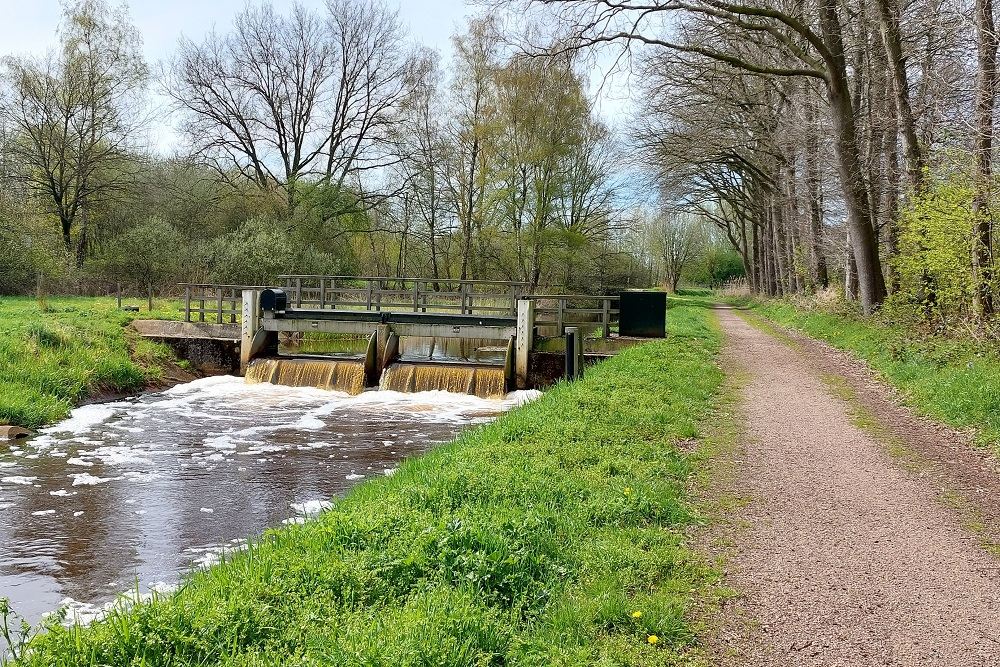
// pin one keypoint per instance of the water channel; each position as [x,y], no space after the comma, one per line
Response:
[138,492]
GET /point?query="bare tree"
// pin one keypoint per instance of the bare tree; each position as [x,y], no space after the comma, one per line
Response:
[74,115]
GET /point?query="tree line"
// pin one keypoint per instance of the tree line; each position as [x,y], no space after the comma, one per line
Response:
[314,140]
[826,139]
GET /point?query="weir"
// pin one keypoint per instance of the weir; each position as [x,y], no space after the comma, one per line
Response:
[518,337]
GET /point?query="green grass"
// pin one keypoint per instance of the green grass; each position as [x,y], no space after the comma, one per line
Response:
[952,380]
[529,541]
[76,347]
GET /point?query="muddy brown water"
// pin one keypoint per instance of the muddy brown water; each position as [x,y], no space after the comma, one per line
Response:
[133,494]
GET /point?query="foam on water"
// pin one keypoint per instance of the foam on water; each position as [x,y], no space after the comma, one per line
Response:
[138,481]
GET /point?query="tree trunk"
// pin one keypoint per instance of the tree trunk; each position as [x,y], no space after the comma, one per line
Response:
[817,254]
[871,282]
[986,88]
[888,15]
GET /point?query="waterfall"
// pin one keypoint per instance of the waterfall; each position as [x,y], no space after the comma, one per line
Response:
[336,374]
[482,381]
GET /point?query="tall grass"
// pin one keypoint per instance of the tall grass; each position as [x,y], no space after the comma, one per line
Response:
[53,357]
[953,380]
[553,536]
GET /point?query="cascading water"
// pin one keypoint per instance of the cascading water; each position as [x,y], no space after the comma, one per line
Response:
[340,375]
[481,381]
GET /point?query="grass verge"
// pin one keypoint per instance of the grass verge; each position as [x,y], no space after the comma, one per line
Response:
[553,536]
[951,380]
[74,348]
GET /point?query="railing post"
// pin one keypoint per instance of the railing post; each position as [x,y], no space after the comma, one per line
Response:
[560,316]
[201,304]
[416,295]
[218,304]
[322,293]
[525,341]
[298,292]
[464,289]
[249,327]
[513,300]
[606,316]
[369,301]
[187,303]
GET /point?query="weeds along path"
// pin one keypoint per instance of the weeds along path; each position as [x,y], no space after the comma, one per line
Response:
[842,555]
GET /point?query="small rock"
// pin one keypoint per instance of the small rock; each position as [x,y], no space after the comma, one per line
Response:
[13,433]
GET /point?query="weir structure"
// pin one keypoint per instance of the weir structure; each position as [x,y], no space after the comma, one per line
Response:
[533,339]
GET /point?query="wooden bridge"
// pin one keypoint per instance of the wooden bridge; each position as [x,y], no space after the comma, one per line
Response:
[549,331]
[223,304]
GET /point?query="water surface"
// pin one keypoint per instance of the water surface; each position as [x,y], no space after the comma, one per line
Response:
[140,491]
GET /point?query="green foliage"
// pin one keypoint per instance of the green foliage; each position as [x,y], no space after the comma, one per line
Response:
[716,266]
[934,263]
[75,348]
[528,541]
[954,381]
[150,254]
[260,250]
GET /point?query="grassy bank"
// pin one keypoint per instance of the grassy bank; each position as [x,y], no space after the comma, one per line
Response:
[75,348]
[553,536]
[951,380]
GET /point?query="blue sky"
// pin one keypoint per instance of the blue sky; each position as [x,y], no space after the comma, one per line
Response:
[30,24]
[30,27]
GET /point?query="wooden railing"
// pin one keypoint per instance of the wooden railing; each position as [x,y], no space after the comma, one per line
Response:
[558,311]
[223,304]
[466,297]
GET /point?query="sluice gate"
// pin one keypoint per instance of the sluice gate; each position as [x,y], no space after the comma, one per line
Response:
[380,366]
[505,337]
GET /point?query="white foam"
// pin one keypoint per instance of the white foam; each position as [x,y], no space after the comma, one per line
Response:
[79,462]
[7,464]
[43,512]
[353,477]
[86,479]
[62,493]
[18,479]
[207,510]
[84,418]
[77,513]
[311,507]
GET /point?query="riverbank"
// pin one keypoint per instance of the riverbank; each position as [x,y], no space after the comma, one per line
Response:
[73,351]
[554,535]
[950,380]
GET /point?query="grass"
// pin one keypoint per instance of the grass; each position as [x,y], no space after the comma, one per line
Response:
[952,380]
[553,536]
[52,358]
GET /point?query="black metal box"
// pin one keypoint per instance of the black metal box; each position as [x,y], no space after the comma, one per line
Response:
[643,314]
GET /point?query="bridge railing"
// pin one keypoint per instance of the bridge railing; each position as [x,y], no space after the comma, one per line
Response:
[219,304]
[558,311]
[465,297]
[223,304]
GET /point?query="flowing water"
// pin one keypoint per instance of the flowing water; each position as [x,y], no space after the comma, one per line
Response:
[135,493]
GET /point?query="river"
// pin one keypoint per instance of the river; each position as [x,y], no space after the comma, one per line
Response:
[133,494]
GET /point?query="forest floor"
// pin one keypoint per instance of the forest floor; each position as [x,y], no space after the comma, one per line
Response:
[862,534]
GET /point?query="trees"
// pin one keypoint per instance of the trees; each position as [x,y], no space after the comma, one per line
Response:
[283,98]
[74,114]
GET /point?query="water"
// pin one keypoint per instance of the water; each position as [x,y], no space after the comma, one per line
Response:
[145,489]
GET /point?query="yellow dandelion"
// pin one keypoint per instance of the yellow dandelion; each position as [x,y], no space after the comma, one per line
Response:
[628,490]
[636,614]
[652,639]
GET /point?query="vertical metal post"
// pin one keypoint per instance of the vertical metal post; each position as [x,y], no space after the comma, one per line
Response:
[298,292]
[416,295]
[606,315]
[187,303]
[560,316]
[572,358]
[322,293]
[525,341]
[249,327]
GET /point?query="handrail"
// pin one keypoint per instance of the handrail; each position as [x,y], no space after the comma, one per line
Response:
[223,303]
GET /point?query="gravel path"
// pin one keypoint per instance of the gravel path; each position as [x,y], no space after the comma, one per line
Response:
[844,557]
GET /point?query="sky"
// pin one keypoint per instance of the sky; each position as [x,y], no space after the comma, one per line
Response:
[30,28]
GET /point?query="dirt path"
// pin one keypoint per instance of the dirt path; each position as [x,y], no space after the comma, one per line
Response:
[846,556]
